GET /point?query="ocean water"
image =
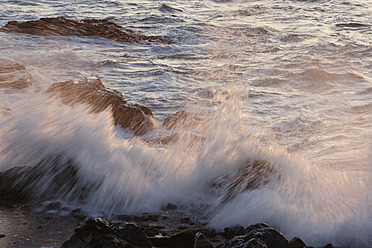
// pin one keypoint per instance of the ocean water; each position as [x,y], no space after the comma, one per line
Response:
[286,82]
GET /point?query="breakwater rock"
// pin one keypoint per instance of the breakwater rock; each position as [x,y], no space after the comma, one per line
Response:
[60,26]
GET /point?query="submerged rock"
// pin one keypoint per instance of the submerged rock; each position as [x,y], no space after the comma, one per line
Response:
[134,117]
[60,26]
[14,75]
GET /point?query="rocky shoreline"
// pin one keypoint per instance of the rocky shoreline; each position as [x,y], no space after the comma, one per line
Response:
[48,228]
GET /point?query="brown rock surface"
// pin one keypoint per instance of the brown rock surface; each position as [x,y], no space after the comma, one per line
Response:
[136,118]
[60,26]
[181,119]
[14,75]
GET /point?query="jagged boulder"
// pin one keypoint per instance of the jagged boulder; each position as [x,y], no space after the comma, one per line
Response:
[60,26]
[14,75]
[134,117]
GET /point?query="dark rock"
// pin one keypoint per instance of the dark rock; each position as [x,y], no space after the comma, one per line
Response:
[259,236]
[209,232]
[2,236]
[232,231]
[53,177]
[186,220]
[182,227]
[151,231]
[244,242]
[296,243]
[53,206]
[147,217]
[136,118]
[95,232]
[159,227]
[124,217]
[167,8]
[169,206]
[14,75]
[352,25]
[133,234]
[328,246]
[201,241]
[183,239]
[60,26]
[270,236]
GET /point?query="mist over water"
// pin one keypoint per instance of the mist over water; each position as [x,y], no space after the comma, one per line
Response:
[283,82]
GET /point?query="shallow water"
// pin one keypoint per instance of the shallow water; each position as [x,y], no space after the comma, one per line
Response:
[287,82]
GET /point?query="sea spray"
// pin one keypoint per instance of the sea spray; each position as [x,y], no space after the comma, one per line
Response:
[125,174]
[307,202]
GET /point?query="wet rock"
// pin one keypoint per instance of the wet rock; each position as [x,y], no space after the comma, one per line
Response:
[60,26]
[352,25]
[297,243]
[167,8]
[146,217]
[244,242]
[201,241]
[53,177]
[181,119]
[133,234]
[250,175]
[78,214]
[233,231]
[270,236]
[183,239]
[9,192]
[209,232]
[151,231]
[95,232]
[134,117]
[169,206]
[53,206]
[187,221]
[259,236]
[14,75]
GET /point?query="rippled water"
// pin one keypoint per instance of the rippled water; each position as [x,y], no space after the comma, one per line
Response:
[295,74]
